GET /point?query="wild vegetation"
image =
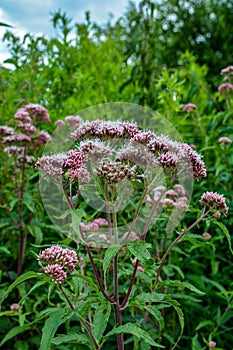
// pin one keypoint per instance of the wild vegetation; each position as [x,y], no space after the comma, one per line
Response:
[154,269]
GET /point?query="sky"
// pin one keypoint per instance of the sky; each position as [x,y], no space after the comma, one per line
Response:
[34,15]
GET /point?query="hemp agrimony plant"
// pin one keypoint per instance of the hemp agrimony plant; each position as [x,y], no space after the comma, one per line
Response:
[125,191]
[21,144]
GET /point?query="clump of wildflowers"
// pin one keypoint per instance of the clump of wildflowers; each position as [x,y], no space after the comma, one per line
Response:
[60,261]
[213,200]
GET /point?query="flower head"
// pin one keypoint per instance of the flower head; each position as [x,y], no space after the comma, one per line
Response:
[52,165]
[65,258]
[225,88]
[56,272]
[212,344]
[15,307]
[59,123]
[38,111]
[189,107]
[227,70]
[6,130]
[215,201]
[224,139]
[16,138]
[42,138]
[23,115]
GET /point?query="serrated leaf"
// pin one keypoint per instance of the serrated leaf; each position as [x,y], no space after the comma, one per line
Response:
[13,332]
[76,219]
[139,250]
[150,297]
[20,279]
[70,338]
[131,328]
[100,320]
[109,254]
[157,315]
[177,283]
[226,233]
[50,327]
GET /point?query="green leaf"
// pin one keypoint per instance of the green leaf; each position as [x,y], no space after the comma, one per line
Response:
[177,283]
[13,332]
[100,320]
[226,232]
[139,250]
[89,280]
[50,327]
[131,328]
[144,298]
[109,254]
[70,338]
[20,279]
[76,219]
[156,314]
[36,232]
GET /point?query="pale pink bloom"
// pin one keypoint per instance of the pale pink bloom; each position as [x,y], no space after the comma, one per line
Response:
[189,107]
[13,150]
[93,225]
[42,138]
[66,258]
[212,344]
[95,148]
[215,201]
[15,307]
[132,236]
[206,235]
[168,160]
[6,130]
[52,165]
[56,272]
[171,193]
[16,138]
[199,169]
[143,137]
[38,111]
[74,120]
[227,70]
[224,139]
[59,123]
[140,268]
[23,115]
[226,87]
[179,189]
[27,128]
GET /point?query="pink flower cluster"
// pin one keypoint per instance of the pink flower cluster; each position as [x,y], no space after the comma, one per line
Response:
[225,88]
[74,164]
[224,139]
[176,198]
[60,261]
[189,107]
[104,130]
[215,201]
[93,225]
[52,165]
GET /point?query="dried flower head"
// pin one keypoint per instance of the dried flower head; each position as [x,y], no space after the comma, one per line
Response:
[215,201]
[115,172]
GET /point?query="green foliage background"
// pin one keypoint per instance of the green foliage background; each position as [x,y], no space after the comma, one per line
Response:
[161,55]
